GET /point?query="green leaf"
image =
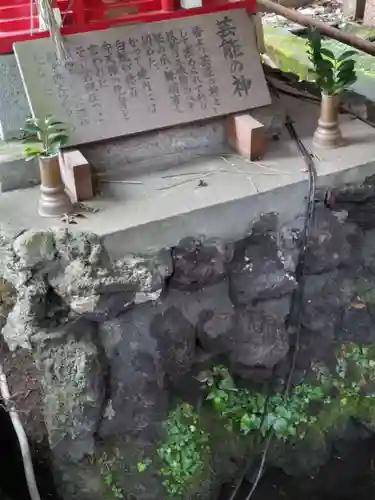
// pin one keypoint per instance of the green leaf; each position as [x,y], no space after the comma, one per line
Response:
[31,129]
[327,53]
[56,141]
[349,64]
[141,466]
[31,139]
[32,152]
[346,78]
[58,136]
[245,422]
[347,54]
[227,384]
[280,425]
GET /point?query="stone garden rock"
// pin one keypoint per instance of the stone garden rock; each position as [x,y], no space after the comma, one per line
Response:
[325,297]
[30,309]
[115,341]
[199,263]
[301,456]
[329,242]
[175,337]
[260,338]
[257,272]
[136,392]
[34,248]
[148,274]
[73,384]
[211,313]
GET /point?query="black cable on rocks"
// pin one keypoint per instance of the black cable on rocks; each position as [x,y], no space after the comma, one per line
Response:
[300,278]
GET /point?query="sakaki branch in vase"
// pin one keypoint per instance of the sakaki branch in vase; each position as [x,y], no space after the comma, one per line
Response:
[333,75]
[44,138]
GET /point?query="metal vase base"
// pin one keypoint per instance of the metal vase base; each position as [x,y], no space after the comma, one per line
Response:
[54,202]
[328,135]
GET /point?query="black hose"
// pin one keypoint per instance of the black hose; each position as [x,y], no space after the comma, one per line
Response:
[300,278]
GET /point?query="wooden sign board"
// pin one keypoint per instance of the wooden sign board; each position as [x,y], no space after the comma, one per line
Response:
[146,76]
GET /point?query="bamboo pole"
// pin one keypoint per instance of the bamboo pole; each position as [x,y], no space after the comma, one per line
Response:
[325,29]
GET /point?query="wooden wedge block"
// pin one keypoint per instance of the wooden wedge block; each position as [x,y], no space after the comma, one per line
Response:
[76,175]
[246,135]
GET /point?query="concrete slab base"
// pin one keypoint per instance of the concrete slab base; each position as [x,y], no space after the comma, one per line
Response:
[15,172]
[216,196]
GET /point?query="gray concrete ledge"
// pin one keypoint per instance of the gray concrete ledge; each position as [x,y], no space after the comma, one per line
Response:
[149,211]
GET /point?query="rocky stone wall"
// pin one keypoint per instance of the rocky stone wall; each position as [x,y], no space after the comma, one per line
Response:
[113,345]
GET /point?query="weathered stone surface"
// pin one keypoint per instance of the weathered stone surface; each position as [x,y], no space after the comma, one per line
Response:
[358,324]
[210,311]
[214,328]
[137,399]
[73,386]
[113,339]
[29,309]
[260,336]
[147,274]
[301,456]
[257,273]
[358,317]
[325,297]
[288,243]
[368,250]
[175,337]
[199,263]
[329,242]
[34,248]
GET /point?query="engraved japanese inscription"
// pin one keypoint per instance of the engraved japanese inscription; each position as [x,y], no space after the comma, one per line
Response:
[142,77]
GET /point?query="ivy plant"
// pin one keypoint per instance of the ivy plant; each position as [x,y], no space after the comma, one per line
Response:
[184,452]
[246,410]
[332,74]
[45,137]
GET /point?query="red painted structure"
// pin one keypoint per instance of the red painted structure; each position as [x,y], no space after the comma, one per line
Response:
[17,17]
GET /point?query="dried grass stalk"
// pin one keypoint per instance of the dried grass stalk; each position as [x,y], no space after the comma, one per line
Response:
[47,16]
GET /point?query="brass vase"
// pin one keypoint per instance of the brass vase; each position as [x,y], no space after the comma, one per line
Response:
[328,134]
[53,201]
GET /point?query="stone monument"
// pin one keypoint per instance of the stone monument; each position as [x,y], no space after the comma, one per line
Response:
[136,78]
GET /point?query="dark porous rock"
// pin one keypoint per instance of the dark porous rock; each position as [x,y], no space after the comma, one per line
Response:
[362,215]
[358,323]
[368,250]
[354,193]
[136,397]
[288,242]
[301,456]
[199,263]
[210,311]
[175,337]
[329,242]
[260,338]
[325,297]
[214,329]
[257,272]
